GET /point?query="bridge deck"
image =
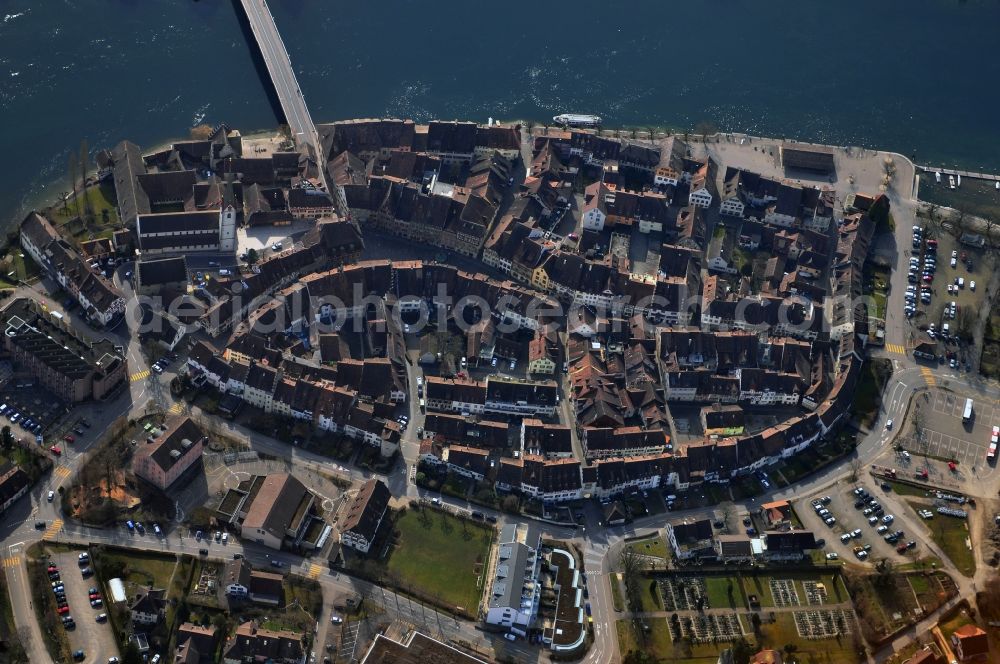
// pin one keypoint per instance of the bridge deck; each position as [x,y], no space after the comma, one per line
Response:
[279,66]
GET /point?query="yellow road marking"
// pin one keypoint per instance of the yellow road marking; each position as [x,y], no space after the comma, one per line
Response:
[895,348]
[62,471]
[928,376]
[176,409]
[314,571]
[51,531]
[139,375]
[11,561]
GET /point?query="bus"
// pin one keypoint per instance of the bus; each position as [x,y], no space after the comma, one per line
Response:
[967,415]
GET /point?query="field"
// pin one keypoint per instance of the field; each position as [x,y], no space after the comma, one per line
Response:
[440,556]
[951,534]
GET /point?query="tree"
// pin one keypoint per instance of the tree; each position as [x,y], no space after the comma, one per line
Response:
[741,650]
[6,438]
[884,572]
[966,321]
[252,256]
[855,468]
[510,504]
[73,164]
[84,163]
[631,567]
[131,654]
[704,128]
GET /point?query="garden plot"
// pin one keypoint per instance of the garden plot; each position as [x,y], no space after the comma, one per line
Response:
[822,624]
[784,593]
[815,592]
[683,594]
[711,628]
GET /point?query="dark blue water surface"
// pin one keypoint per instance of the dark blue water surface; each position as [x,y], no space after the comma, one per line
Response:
[917,77]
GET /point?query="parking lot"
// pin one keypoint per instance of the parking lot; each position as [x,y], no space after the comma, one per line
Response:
[849,519]
[94,638]
[946,261]
[946,436]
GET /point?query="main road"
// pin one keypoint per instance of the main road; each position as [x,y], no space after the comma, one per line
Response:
[279,67]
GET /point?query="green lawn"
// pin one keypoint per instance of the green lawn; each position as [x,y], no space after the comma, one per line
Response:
[24,267]
[650,595]
[821,651]
[717,588]
[616,592]
[102,200]
[949,626]
[440,556]
[653,546]
[761,587]
[907,490]
[919,583]
[950,534]
[138,569]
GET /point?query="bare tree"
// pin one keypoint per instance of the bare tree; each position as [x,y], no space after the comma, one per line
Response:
[84,163]
[855,469]
[704,128]
[73,165]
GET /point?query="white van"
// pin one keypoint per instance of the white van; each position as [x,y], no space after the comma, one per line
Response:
[223,272]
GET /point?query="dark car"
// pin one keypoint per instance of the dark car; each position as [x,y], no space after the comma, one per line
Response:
[203,552]
[79,655]
[86,571]
[277,563]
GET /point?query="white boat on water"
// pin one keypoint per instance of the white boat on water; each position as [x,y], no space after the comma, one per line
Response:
[577,120]
[937,176]
[959,180]
[951,181]
[998,184]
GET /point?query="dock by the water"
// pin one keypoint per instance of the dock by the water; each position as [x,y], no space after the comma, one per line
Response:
[965,174]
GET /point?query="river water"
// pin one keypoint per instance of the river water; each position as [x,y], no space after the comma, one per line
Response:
[919,77]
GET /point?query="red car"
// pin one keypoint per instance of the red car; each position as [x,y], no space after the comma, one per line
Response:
[951,466]
[53,568]
[928,278]
[95,595]
[63,609]
[55,450]
[69,438]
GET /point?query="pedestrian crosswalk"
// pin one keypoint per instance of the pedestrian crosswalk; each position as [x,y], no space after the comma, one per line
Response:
[175,409]
[62,471]
[139,375]
[53,529]
[895,348]
[928,377]
[314,571]
[11,562]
